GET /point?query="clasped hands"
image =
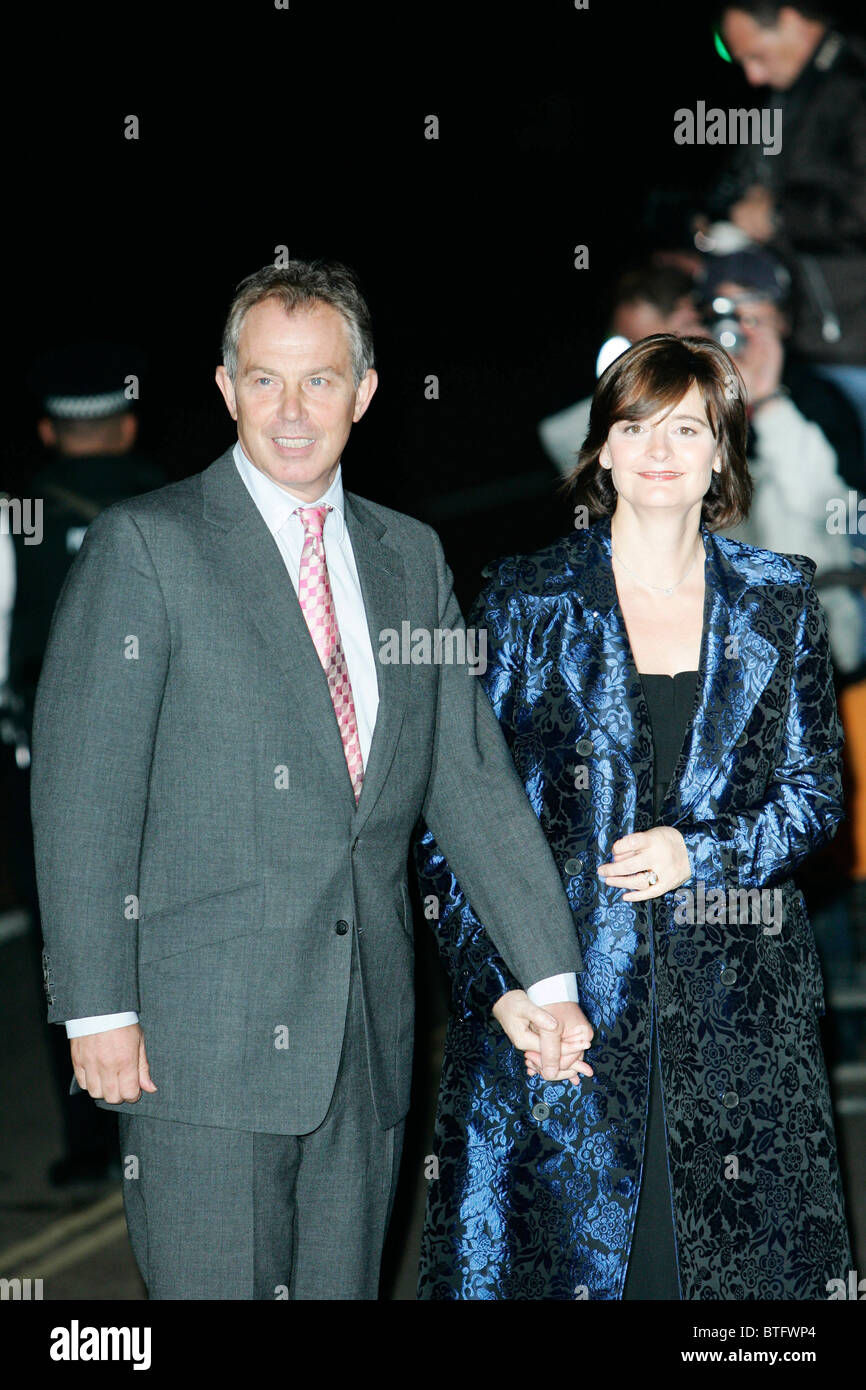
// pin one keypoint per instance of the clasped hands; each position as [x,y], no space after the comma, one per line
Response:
[113,1065]
[554,1038]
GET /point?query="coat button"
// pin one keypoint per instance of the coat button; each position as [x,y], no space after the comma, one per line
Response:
[730,1099]
[728,976]
[573,866]
[584,747]
[540,1111]
[341,928]
[742,740]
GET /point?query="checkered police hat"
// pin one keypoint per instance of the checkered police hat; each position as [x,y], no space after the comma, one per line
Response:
[85,381]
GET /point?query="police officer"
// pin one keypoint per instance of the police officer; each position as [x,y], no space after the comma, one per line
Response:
[87,397]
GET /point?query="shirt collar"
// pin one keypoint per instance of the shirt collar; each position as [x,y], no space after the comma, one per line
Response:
[276,505]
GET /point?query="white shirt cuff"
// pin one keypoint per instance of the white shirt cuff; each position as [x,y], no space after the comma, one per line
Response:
[99,1023]
[556,989]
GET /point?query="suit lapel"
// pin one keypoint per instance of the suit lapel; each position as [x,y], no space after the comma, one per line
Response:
[248,556]
[383,587]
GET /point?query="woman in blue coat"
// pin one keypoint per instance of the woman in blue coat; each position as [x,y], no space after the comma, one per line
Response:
[668,699]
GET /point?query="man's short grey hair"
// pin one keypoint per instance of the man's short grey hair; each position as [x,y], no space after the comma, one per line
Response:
[301,285]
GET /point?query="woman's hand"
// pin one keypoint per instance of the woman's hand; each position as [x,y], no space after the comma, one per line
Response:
[523,1022]
[660,851]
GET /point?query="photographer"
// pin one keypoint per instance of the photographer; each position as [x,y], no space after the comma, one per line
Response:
[798,421]
[767,284]
[809,201]
[647,299]
[793,464]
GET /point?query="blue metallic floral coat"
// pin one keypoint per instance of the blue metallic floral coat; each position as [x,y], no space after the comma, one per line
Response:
[538,1183]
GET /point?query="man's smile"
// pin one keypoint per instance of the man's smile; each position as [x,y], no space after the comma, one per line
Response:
[294,444]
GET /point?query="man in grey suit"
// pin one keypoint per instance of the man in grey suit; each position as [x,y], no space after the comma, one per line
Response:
[227,769]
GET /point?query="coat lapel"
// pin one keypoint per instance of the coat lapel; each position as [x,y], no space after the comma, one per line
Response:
[736,663]
[597,658]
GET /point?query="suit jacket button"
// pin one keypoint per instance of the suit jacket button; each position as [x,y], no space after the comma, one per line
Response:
[540,1111]
[573,866]
[730,1099]
[584,747]
[728,976]
[341,928]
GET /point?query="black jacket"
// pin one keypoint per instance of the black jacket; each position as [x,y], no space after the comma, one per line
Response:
[73,491]
[818,180]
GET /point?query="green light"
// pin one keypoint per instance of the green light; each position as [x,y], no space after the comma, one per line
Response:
[720,48]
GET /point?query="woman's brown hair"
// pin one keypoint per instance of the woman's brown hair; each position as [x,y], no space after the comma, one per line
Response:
[653,375]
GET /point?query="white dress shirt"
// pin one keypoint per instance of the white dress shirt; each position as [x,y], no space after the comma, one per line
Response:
[279,510]
[7,599]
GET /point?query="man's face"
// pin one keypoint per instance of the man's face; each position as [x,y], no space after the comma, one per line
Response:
[294,397]
[639,319]
[772,57]
[752,310]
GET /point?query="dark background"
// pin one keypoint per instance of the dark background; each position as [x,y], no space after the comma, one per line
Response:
[261,127]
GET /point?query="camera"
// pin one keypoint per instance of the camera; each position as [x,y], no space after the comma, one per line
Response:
[724,325]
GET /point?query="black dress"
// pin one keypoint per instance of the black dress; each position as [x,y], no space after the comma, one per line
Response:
[652,1268]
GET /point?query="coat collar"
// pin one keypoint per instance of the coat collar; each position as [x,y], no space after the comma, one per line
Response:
[736,662]
[250,561]
[589,569]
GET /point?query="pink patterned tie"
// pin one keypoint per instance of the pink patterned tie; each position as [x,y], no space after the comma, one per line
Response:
[317,606]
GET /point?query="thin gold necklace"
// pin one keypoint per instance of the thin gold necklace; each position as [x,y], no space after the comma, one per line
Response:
[656,588]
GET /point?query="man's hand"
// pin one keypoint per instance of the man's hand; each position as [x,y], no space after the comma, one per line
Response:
[763,359]
[553,1038]
[576,1036]
[113,1065]
[754,214]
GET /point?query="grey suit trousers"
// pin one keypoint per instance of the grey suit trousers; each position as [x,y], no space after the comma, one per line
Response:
[233,1214]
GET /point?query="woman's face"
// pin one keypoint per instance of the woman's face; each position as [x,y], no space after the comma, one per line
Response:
[665,461]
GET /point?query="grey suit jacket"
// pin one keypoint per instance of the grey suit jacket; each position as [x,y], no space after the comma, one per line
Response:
[200,857]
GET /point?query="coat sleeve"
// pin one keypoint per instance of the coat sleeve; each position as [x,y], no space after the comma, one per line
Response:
[478,974]
[823,202]
[509,878]
[803,806]
[95,718]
